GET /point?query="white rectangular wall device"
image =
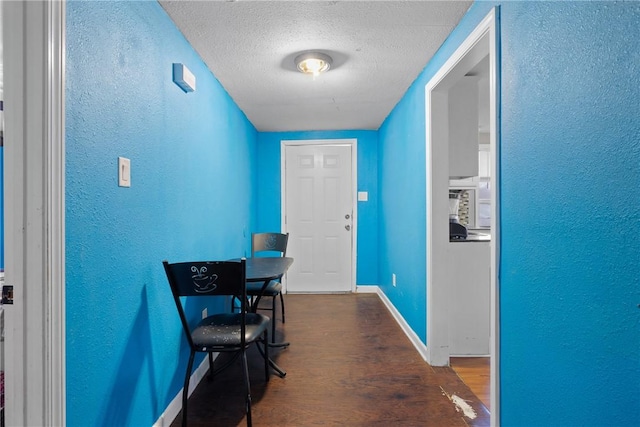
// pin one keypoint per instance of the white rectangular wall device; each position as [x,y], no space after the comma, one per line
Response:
[183,77]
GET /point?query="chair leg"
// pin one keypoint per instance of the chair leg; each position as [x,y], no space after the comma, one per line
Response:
[210,376]
[282,306]
[185,391]
[273,319]
[245,369]
[267,371]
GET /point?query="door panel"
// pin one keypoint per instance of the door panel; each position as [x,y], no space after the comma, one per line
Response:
[318,212]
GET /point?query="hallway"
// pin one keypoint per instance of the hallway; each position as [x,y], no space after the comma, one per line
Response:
[349,364]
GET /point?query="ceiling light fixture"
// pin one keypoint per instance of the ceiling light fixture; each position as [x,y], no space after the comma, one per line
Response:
[313,63]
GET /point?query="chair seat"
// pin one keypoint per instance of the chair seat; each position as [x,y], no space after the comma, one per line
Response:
[272,289]
[224,329]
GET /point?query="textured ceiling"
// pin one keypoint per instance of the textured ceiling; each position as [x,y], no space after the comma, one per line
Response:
[378,49]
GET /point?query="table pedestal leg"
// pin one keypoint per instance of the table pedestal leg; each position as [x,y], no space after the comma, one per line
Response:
[274,365]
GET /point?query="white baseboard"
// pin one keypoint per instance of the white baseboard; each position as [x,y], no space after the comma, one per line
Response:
[175,406]
[469,355]
[367,289]
[415,339]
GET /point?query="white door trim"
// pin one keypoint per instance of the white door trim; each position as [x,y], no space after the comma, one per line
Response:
[437,232]
[353,142]
[34,70]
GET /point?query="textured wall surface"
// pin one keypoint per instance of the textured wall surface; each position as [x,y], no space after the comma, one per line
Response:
[269,197]
[570,213]
[570,165]
[191,197]
[570,156]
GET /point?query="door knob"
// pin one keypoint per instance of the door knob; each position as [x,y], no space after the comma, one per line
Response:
[347,227]
[347,216]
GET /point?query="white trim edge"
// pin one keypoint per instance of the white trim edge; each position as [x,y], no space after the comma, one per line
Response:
[413,337]
[367,289]
[175,406]
[55,398]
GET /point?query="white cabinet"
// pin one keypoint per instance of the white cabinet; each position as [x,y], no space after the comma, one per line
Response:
[469,285]
[463,128]
[484,162]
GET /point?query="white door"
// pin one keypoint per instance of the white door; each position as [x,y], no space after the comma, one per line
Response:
[319,217]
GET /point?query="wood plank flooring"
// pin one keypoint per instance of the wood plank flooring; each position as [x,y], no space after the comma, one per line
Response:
[349,364]
[475,372]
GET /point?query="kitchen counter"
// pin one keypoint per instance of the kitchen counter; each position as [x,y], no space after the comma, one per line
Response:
[474,236]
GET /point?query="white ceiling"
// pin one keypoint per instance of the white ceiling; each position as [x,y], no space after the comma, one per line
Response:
[378,50]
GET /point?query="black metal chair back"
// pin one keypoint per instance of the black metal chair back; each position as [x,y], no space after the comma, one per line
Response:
[206,278]
[269,242]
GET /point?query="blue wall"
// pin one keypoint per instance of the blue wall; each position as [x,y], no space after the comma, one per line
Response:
[570,268]
[269,200]
[570,156]
[402,223]
[570,165]
[191,197]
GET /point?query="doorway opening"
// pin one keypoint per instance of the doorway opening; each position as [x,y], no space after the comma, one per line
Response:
[462,160]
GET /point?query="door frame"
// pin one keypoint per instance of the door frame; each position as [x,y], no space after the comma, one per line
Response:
[437,176]
[353,143]
[34,149]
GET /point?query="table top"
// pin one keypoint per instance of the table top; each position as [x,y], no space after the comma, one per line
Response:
[266,268]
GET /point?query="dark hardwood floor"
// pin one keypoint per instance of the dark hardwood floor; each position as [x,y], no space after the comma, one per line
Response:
[349,364]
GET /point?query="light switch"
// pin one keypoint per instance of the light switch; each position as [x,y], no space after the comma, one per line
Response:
[124,172]
[363,196]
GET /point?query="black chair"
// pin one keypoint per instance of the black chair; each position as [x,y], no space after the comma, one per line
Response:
[223,332]
[269,244]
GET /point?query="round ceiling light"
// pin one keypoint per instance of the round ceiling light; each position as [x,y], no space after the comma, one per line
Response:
[313,63]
